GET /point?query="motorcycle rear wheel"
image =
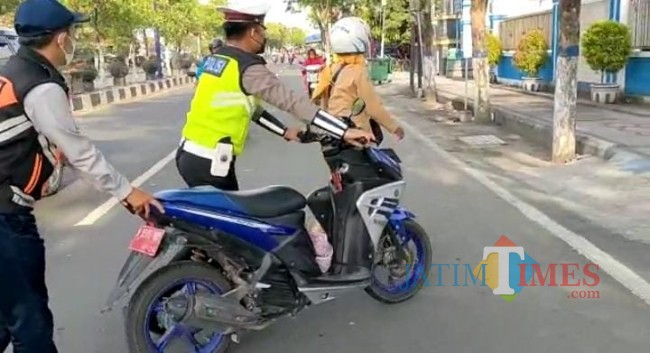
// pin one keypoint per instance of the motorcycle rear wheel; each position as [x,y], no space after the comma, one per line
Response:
[416,268]
[143,315]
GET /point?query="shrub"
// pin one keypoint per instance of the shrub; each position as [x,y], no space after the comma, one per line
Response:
[118,67]
[606,46]
[151,66]
[88,74]
[186,61]
[532,53]
[494,49]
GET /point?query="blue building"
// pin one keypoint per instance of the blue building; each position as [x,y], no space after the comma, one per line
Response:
[509,21]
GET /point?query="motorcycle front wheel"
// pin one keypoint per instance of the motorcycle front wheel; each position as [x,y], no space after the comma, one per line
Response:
[399,276]
[151,328]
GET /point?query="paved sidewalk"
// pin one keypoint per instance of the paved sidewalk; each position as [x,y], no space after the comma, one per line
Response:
[609,134]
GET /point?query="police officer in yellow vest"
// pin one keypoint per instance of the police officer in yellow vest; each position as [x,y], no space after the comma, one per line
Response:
[234,82]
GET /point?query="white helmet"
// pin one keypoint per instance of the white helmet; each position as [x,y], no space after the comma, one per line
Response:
[350,35]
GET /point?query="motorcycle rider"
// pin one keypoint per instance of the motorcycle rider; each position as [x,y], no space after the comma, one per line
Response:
[312,59]
[35,115]
[213,47]
[228,97]
[347,80]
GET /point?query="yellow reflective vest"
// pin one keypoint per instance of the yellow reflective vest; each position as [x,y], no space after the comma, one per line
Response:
[220,107]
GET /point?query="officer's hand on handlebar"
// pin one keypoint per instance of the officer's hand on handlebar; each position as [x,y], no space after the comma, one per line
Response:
[358,138]
[292,134]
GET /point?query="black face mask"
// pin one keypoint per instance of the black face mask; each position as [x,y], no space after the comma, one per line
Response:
[262,45]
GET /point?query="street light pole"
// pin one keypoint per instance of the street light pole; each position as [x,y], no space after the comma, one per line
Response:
[383,27]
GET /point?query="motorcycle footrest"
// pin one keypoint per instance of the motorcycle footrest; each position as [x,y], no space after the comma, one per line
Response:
[360,274]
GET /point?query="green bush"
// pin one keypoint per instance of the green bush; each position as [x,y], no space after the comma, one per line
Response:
[606,46]
[118,67]
[151,66]
[532,53]
[89,74]
[186,61]
[494,49]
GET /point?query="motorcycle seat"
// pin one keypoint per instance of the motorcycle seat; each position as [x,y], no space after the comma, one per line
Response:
[267,202]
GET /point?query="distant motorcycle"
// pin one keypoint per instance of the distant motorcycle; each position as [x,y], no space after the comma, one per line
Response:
[312,74]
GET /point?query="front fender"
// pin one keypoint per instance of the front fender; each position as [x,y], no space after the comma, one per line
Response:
[400,215]
[139,267]
[397,219]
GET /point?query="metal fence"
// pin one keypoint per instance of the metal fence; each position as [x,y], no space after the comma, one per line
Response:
[513,29]
[640,23]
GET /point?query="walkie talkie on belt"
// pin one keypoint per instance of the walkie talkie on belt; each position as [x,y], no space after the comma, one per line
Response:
[222,158]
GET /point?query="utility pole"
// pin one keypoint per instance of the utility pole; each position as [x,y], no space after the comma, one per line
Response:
[566,83]
[480,65]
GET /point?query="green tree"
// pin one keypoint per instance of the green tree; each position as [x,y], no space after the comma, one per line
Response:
[113,22]
[8,6]
[397,23]
[296,37]
[323,13]
[276,35]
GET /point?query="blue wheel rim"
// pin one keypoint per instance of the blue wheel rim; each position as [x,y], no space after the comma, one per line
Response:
[415,270]
[178,331]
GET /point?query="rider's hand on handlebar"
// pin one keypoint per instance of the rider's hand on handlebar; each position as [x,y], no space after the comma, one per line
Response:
[140,202]
[399,134]
[358,138]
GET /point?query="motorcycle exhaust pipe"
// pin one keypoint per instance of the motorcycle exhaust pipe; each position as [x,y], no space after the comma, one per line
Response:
[220,314]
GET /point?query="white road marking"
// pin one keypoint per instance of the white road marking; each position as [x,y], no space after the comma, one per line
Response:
[621,273]
[104,208]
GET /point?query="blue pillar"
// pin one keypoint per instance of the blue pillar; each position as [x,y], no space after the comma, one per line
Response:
[614,15]
[555,28]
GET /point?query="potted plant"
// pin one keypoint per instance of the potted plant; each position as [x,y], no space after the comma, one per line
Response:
[151,67]
[119,70]
[531,55]
[88,76]
[186,61]
[82,75]
[494,55]
[606,46]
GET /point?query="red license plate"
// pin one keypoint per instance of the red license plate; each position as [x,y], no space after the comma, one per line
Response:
[147,241]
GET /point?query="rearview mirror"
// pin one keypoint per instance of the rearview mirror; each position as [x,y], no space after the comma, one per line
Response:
[358,107]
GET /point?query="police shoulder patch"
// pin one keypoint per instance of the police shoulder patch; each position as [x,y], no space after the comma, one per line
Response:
[215,65]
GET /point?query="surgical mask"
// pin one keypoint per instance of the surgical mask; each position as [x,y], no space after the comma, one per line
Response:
[68,56]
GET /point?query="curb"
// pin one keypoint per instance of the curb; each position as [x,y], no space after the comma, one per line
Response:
[612,107]
[541,132]
[94,100]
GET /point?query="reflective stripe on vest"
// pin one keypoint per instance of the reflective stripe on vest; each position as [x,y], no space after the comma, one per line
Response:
[220,108]
[13,127]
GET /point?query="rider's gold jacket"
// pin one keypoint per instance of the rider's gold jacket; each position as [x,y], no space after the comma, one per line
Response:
[354,82]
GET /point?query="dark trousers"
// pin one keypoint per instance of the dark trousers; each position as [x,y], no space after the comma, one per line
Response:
[25,319]
[195,171]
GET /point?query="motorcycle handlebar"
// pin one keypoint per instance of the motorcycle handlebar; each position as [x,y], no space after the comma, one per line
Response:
[309,136]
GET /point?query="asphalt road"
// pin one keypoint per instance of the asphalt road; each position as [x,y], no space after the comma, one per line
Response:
[461,216]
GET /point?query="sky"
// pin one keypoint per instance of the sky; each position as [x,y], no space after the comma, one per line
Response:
[278,14]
